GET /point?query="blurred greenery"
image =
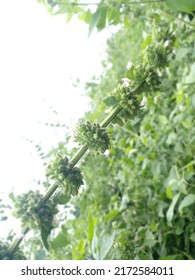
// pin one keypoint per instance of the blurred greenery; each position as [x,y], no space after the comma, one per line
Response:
[138,201]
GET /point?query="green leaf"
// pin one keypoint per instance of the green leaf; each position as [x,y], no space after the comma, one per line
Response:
[129,74]
[193,100]
[95,247]
[187,201]
[192,237]
[4,218]
[106,244]
[144,257]
[44,236]
[190,79]
[181,5]
[182,52]
[86,17]
[113,16]
[169,257]
[61,198]
[169,192]
[111,215]
[118,121]
[149,239]
[170,211]
[94,21]
[102,20]
[59,241]
[90,228]
[110,101]
[146,42]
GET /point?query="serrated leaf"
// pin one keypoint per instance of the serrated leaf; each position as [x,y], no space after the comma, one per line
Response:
[170,211]
[187,201]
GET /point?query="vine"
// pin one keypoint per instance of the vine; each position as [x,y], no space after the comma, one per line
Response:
[36,210]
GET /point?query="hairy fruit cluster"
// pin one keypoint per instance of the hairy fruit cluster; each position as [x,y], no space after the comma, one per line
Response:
[4,255]
[160,50]
[67,177]
[33,212]
[145,78]
[94,136]
[127,99]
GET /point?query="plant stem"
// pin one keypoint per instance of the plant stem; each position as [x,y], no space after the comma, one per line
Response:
[50,192]
[114,2]
[17,241]
[179,19]
[111,116]
[79,154]
[187,165]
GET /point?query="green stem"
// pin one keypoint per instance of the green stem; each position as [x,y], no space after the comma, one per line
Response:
[79,154]
[114,2]
[111,116]
[128,131]
[179,19]
[50,192]
[187,165]
[17,241]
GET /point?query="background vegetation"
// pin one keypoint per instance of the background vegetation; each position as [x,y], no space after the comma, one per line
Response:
[138,201]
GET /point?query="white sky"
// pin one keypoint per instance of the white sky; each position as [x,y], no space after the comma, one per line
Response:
[40,56]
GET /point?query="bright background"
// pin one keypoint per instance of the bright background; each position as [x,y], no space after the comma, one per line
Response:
[40,58]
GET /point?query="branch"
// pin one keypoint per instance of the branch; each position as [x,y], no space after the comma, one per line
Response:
[114,2]
[79,154]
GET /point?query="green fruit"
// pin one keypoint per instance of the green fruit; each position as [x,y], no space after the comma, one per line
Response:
[94,136]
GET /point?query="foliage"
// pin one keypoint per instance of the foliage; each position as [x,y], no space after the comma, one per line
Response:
[138,201]
[141,197]
[180,5]
[109,12]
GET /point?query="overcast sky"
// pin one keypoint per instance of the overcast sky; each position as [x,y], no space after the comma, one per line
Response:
[40,57]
